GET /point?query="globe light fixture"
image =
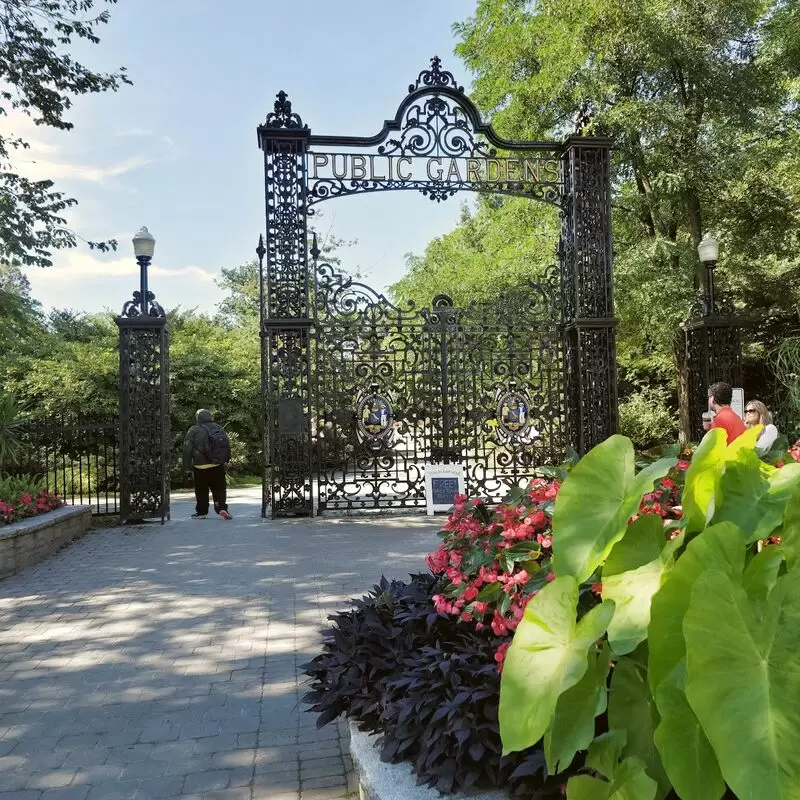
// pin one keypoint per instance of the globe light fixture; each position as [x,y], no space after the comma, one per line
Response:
[144,243]
[708,251]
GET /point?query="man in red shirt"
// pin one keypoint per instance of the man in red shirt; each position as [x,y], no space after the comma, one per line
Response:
[719,400]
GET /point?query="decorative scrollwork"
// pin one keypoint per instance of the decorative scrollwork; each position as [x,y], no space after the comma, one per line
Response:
[133,308]
[328,188]
[283,116]
[436,126]
[435,77]
[339,297]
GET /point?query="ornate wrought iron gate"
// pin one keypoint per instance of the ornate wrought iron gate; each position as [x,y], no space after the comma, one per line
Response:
[394,389]
[359,394]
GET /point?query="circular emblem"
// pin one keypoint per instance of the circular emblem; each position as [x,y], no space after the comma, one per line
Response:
[512,413]
[374,416]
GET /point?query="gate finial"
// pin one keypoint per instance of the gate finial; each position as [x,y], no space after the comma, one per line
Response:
[435,77]
[282,116]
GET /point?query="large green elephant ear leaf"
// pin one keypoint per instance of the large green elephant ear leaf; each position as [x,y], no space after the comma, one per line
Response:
[572,728]
[761,574]
[548,655]
[717,547]
[755,501]
[679,737]
[595,502]
[790,536]
[633,573]
[701,479]
[627,780]
[686,753]
[701,488]
[631,708]
[743,683]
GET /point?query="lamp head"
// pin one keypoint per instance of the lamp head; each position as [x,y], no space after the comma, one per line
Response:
[708,249]
[144,243]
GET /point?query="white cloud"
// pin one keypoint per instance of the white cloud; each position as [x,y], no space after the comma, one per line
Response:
[46,159]
[77,266]
[55,170]
[134,132]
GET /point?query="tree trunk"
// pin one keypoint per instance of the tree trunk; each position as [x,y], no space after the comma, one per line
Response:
[682,373]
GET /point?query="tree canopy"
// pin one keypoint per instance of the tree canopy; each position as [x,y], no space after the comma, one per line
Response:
[39,78]
[702,102]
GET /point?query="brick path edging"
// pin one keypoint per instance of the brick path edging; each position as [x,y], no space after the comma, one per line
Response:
[25,543]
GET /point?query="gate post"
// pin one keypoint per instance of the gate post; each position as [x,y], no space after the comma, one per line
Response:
[286,322]
[144,399]
[587,292]
[713,353]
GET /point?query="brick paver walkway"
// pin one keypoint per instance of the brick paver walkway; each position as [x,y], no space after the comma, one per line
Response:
[163,661]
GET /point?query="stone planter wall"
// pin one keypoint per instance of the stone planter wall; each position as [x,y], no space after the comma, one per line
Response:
[28,541]
[379,781]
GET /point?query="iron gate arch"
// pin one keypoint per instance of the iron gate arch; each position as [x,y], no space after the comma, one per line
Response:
[359,393]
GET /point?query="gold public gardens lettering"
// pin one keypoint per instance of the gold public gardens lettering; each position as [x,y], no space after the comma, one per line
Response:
[352,167]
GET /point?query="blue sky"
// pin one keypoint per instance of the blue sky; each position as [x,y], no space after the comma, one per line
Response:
[177,151]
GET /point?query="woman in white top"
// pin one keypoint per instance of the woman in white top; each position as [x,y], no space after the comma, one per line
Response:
[756,413]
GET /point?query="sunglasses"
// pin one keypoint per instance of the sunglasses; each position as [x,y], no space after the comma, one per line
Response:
[751,411]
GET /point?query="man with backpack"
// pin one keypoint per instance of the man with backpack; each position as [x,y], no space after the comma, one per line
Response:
[206,452]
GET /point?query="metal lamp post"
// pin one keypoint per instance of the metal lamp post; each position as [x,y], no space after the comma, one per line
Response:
[712,345]
[144,397]
[144,245]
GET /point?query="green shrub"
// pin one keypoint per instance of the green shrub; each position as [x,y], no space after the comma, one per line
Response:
[646,418]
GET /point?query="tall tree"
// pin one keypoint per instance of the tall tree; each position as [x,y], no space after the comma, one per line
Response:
[40,79]
[702,100]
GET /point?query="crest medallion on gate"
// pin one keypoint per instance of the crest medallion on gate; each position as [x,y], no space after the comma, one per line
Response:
[513,415]
[374,418]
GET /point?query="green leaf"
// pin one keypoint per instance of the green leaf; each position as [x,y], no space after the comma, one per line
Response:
[490,592]
[572,728]
[630,782]
[595,503]
[718,547]
[584,787]
[701,478]
[686,753]
[606,751]
[743,683]
[680,740]
[547,656]
[631,709]
[790,536]
[701,491]
[755,502]
[632,574]
[761,574]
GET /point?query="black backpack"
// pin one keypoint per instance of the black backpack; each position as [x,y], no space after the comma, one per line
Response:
[218,448]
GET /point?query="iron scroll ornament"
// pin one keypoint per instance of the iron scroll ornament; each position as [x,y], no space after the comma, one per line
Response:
[133,307]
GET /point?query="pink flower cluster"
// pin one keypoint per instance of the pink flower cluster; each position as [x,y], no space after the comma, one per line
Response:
[493,560]
[665,499]
[28,505]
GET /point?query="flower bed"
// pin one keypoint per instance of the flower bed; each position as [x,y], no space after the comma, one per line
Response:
[23,497]
[631,619]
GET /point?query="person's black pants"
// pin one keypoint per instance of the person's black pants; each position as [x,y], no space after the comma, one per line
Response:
[212,478]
